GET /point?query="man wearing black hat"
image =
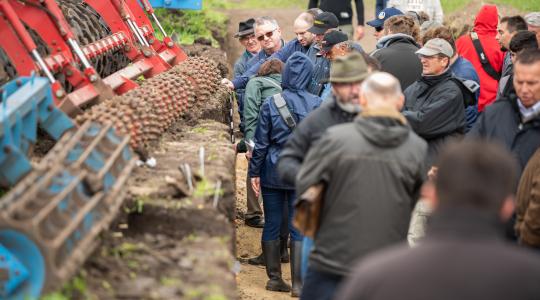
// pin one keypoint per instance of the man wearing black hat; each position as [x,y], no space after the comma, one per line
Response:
[335,44]
[343,10]
[323,23]
[246,36]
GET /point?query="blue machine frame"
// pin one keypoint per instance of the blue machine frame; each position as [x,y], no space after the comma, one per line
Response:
[50,215]
[26,102]
[177,4]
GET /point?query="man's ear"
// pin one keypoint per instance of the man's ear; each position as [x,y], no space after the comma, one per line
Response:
[400,101]
[363,100]
[507,209]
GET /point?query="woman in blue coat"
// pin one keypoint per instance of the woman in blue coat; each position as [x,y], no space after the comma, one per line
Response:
[271,134]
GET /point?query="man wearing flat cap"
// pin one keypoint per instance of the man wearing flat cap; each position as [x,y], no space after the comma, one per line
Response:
[434,104]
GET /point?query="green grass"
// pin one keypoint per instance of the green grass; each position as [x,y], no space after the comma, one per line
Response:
[189,25]
[450,6]
[272,4]
[522,5]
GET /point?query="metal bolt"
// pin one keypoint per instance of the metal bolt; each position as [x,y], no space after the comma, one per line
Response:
[69,72]
[150,41]
[93,78]
[170,44]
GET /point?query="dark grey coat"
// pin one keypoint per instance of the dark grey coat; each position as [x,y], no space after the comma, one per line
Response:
[463,257]
[307,134]
[373,169]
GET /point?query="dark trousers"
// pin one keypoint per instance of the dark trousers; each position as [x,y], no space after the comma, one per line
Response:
[274,202]
[320,285]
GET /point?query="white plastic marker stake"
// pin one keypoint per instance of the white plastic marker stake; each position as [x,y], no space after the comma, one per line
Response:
[201,161]
[216,193]
[186,170]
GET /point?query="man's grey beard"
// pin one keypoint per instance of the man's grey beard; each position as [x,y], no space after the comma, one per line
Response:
[349,107]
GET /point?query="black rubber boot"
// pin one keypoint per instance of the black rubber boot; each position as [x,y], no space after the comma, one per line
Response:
[296,261]
[257,261]
[273,267]
[283,250]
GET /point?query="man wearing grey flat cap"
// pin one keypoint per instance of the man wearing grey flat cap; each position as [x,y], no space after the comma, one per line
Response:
[533,21]
[434,104]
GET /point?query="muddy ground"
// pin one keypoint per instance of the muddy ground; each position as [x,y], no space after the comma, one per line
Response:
[174,240]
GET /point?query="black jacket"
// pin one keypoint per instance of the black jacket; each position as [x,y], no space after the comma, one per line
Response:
[435,109]
[396,53]
[306,134]
[501,121]
[373,169]
[462,257]
[341,8]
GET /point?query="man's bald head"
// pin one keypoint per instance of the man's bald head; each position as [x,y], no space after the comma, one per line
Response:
[301,24]
[381,90]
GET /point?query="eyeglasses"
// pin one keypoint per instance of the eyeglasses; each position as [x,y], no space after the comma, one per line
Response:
[269,34]
[379,29]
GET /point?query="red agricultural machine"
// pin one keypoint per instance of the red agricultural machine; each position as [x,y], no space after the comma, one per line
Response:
[109,87]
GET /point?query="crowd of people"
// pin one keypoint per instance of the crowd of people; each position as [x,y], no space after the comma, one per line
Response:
[416,164]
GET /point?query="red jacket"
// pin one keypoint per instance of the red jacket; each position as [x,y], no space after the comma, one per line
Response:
[485,26]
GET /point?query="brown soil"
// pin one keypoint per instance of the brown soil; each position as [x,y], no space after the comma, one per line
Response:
[172,242]
[168,245]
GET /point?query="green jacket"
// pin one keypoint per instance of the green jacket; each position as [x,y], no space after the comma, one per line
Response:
[257,90]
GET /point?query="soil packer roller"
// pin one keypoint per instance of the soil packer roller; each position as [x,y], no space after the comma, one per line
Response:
[91,55]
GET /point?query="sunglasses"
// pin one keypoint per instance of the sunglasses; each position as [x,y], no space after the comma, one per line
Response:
[269,34]
[379,29]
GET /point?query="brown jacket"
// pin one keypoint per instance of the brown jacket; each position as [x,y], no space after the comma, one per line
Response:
[528,203]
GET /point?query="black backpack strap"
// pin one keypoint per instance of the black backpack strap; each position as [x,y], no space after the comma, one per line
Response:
[284,111]
[468,90]
[486,65]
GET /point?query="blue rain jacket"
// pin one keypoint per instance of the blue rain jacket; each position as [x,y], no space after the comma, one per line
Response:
[272,132]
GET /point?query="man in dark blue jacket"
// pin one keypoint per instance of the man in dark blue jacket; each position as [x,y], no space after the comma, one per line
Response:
[301,43]
[271,134]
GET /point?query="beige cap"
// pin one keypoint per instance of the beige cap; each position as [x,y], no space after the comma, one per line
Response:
[436,46]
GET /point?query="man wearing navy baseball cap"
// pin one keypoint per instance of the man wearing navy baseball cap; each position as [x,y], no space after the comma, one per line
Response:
[378,23]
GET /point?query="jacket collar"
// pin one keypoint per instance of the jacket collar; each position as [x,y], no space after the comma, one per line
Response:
[385,41]
[383,113]
[432,80]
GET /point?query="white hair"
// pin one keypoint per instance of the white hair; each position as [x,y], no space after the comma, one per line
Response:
[265,20]
[381,86]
